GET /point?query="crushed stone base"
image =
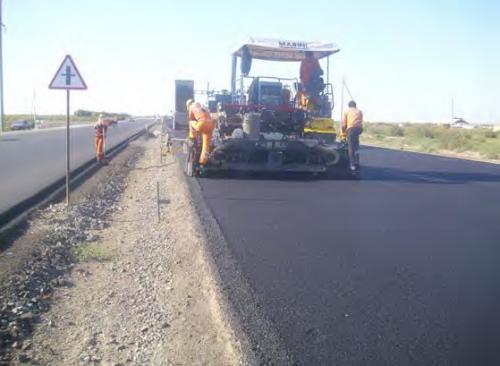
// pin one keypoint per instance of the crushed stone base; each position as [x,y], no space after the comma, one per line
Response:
[150,299]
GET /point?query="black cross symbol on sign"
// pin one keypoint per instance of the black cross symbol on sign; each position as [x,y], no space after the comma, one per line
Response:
[68,75]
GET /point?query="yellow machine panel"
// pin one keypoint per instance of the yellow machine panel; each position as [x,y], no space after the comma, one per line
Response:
[320,125]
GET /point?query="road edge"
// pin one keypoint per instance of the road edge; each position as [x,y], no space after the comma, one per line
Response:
[447,156]
[260,345]
[18,213]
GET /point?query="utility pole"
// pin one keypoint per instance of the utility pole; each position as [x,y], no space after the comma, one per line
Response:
[452,110]
[2,123]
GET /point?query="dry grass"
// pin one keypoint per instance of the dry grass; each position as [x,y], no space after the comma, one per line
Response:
[94,252]
[434,138]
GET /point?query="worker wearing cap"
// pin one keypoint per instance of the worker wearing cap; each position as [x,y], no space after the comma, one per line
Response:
[200,122]
[101,128]
[352,127]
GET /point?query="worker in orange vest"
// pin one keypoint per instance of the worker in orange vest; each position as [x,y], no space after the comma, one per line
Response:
[352,127]
[101,128]
[310,72]
[200,122]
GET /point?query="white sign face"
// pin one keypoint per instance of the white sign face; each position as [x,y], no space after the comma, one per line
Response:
[67,76]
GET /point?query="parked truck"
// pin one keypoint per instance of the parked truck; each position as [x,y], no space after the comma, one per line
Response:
[184,90]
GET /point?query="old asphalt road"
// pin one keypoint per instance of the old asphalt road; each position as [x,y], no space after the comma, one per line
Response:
[400,268]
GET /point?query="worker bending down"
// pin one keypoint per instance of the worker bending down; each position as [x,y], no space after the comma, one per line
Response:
[101,128]
[352,126]
[200,122]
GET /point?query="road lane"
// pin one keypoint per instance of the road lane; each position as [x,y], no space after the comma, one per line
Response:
[398,268]
[32,160]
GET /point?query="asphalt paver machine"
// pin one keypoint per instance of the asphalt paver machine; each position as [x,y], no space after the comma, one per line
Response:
[269,124]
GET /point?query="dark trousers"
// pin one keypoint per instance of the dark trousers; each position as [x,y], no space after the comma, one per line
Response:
[353,144]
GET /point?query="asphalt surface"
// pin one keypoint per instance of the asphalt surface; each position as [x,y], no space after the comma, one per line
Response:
[32,160]
[399,268]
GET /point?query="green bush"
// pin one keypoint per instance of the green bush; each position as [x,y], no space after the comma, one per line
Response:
[383,129]
[396,131]
[490,134]
[424,131]
[456,140]
[83,113]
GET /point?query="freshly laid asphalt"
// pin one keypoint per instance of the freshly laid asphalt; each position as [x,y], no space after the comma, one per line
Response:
[399,268]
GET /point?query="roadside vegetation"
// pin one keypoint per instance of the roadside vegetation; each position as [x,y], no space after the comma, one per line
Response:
[432,138]
[55,120]
[94,252]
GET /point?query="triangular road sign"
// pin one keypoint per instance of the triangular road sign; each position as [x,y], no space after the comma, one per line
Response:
[67,76]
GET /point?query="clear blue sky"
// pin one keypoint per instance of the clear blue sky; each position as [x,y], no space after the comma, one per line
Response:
[403,60]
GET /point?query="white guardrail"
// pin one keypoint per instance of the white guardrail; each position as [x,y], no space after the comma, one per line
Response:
[33,160]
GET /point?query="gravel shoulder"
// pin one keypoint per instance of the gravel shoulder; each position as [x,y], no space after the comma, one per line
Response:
[133,290]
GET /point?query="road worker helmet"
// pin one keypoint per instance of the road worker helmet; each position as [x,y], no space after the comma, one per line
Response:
[188,103]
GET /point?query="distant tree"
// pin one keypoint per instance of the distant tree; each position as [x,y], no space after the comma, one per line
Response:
[94,114]
[83,113]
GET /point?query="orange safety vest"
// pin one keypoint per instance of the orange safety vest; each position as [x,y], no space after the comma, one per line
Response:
[198,113]
[307,68]
[353,117]
[100,129]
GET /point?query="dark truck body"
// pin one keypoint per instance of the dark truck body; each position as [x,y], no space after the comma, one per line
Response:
[184,90]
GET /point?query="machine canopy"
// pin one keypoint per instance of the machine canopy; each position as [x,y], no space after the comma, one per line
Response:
[284,50]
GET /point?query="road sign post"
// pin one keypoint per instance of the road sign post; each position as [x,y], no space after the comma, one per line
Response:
[67,147]
[68,78]
[2,114]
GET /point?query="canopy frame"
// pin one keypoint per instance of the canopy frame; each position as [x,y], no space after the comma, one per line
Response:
[281,50]
[285,50]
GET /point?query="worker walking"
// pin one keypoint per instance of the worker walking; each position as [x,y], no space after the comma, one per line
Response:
[352,127]
[200,122]
[101,128]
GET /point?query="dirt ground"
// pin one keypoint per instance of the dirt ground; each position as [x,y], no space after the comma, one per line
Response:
[141,292]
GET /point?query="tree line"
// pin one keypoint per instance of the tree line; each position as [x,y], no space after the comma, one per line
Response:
[85,113]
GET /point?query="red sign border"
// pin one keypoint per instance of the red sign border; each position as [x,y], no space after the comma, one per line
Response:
[84,87]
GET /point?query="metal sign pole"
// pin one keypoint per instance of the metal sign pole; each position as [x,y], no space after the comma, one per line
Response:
[67,77]
[2,116]
[67,148]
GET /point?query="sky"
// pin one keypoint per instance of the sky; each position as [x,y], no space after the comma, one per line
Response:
[402,60]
